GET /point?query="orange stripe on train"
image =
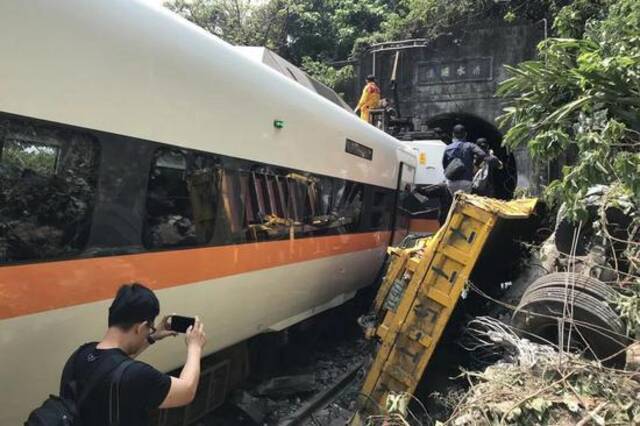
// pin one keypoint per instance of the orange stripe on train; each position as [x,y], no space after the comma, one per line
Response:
[28,289]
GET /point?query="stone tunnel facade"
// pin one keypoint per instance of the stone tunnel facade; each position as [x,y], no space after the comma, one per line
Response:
[454,79]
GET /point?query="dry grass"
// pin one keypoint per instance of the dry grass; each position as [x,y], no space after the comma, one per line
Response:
[535,384]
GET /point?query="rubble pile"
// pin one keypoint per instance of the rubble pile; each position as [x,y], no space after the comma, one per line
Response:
[536,384]
[585,272]
[276,399]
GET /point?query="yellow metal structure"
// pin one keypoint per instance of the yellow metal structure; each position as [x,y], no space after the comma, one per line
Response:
[419,292]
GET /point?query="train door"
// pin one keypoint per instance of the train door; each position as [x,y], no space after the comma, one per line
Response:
[401,219]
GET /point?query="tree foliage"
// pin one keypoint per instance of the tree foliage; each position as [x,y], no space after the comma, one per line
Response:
[311,33]
[430,19]
[318,29]
[317,32]
[583,96]
[239,22]
[41,159]
[336,78]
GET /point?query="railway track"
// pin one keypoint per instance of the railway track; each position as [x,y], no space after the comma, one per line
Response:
[323,398]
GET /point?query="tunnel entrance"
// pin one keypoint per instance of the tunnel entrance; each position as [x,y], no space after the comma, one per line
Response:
[506,178]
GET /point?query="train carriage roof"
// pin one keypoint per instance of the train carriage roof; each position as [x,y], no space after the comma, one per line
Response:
[132,67]
[286,68]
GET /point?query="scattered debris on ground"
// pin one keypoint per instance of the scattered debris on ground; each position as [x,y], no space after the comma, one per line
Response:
[284,386]
[563,323]
[535,384]
[255,408]
[276,400]
[328,367]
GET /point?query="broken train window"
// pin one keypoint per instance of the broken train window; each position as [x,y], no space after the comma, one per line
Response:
[48,178]
[182,198]
[288,203]
[236,213]
[275,204]
[381,209]
[336,204]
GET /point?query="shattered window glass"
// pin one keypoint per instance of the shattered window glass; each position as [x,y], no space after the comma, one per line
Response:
[48,179]
[182,199]
[381,209]
[272,207]
[335,204]
[347,207]
[287,203]
[235,208]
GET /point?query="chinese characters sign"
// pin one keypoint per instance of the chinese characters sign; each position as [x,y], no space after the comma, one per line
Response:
[455,71]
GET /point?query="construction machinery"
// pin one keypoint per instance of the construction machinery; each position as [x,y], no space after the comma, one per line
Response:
[422,286]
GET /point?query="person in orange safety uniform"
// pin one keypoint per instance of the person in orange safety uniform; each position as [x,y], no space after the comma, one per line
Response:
[370,98]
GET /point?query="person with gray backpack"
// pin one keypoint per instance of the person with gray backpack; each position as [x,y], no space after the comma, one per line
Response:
[102,384]
[484,180]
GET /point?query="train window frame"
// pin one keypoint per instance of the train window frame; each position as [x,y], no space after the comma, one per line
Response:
[183,222]
[274,194]
[309,204]
[56,226]
[296,205]
[380,207]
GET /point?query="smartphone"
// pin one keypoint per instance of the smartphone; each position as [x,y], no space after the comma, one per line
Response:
[180,324]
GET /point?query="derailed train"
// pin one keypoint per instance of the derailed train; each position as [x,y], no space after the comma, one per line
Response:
[135,146]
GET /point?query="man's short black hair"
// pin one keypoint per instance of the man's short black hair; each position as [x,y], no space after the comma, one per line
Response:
[482,143]
[459,132]
[371,77]
[134,303]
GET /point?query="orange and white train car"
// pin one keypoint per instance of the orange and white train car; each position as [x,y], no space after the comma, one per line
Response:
[135,146]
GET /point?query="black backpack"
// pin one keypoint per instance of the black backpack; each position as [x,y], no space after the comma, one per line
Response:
[57,411]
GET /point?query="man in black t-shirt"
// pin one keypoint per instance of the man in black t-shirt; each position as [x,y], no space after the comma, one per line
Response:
[142,387]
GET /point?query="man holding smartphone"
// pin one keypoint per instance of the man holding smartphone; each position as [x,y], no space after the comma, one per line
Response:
[140,387]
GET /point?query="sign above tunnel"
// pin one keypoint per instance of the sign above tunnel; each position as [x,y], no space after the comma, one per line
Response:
[455,71]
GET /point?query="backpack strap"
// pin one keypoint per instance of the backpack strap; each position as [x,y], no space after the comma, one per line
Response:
[103,370]
[459,150]
[453,152]
[114,392]
[68,382]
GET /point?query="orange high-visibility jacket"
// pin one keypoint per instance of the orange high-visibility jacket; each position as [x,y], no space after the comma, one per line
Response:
[370,99]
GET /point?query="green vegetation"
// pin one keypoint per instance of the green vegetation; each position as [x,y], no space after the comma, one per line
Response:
[582,98]
[295,29]
[307,33]
[316,33]
[39,158]
[336,78]
[431,18]
[579,104]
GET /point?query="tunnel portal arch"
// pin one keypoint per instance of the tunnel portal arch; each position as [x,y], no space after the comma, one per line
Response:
[505,179]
